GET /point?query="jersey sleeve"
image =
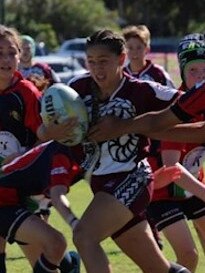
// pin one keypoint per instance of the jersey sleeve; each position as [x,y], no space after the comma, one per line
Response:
[64,171]
[168,145]
[156,96]
[33,106]
[191,103]
[32,100]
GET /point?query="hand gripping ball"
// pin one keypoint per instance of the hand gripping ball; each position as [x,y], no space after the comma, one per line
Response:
[61,102]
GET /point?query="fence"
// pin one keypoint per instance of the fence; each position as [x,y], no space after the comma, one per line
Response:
[169,62]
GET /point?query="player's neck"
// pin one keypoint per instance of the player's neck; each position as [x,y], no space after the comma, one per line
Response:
[26,64]
[6,84]
[137,66]
[107,91]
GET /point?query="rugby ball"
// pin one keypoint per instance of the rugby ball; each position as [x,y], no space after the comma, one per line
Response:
[60,102]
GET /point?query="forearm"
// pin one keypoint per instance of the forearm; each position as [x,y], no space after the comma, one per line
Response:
[188,182]
[185,133]
[62,205]
[152,123]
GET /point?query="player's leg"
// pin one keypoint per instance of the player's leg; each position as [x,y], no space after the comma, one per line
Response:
[170,219]
[103,217]
[69,263]
[180,238]
[194,209]
[2,255]
[113,206]
[35,231]
[200,236]
[40,206]
[139,244]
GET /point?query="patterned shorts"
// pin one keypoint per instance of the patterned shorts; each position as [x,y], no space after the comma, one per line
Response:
[134,190]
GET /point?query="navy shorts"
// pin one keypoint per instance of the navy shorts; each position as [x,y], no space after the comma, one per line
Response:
[167,212]
[11,219]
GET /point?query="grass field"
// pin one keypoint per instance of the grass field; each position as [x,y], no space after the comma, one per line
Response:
[80,196]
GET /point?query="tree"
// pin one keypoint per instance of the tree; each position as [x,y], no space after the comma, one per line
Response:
[65,18]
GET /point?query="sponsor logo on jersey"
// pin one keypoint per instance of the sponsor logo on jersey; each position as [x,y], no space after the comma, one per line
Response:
[59,170]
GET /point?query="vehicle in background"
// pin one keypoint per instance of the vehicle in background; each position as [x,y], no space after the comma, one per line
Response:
[65,67]
[72,45]
[74,48]
[41,49]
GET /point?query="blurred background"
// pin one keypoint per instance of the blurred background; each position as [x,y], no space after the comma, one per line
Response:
[60,27]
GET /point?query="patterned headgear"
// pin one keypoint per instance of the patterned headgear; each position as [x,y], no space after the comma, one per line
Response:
[31,41]
[191,47]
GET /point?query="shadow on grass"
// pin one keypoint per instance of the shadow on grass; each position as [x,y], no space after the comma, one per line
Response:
[15,258]
[115,252]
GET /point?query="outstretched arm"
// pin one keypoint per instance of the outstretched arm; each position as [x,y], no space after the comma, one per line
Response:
[188,182]
[149,124]
[189,105]
[62,205]
[187,133]
[182,177]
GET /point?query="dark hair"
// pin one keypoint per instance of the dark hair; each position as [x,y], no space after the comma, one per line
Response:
[113,41]
[8,32]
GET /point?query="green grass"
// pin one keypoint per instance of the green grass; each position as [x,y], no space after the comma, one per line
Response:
[80,196]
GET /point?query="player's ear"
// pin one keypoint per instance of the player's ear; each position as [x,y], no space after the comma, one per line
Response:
[122,58]
[148,49]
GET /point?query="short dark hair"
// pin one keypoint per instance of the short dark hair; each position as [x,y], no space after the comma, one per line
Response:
[105,37]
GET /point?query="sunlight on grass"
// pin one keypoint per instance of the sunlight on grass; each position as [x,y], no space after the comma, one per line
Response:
[80,196]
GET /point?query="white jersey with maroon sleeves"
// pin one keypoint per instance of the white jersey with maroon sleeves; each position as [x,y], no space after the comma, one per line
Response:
[131,98]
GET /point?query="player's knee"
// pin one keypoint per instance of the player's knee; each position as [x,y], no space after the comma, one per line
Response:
[189,258]
[55,246]
[81,238]
[78,236]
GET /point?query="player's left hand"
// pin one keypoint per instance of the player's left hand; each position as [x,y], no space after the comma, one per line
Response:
[58,131]
[107,128]
[166,175]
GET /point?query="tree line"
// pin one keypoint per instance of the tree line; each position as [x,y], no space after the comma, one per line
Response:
[56,20]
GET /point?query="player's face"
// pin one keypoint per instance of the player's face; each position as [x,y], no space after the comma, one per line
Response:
[9,59]
[26,54]
[194,72]
[105,67]
[136,50]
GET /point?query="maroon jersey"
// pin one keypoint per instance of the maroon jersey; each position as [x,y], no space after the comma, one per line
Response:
[131,98]
[19,110]
[151,72]
[156,73]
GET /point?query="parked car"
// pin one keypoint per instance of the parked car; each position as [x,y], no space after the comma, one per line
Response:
[41,49]
[74,48]
[72,45]
[64,67]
